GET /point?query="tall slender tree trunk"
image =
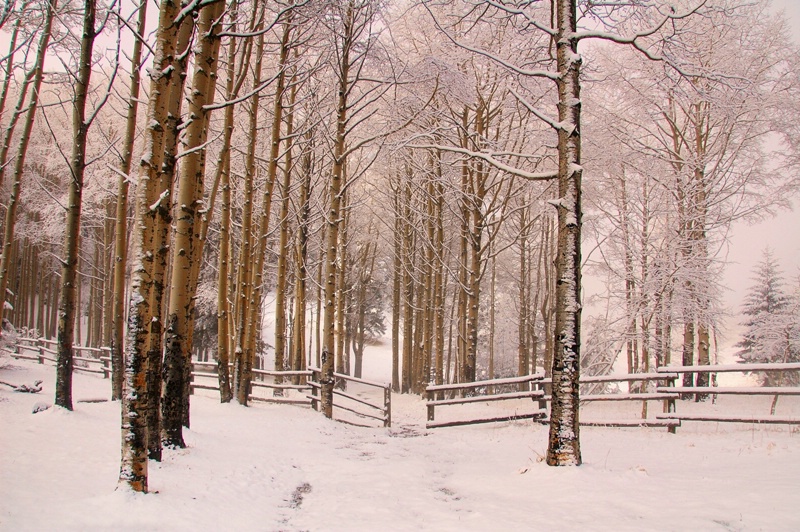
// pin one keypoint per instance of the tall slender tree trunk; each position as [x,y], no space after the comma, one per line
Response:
[70,282]
[243,358]
[120,226]
[439,289]
[188,223]
[133,465]
[301,273]
[397,277]
[162,213]
[333,216]
[408,290]
[564,441]
[284,249]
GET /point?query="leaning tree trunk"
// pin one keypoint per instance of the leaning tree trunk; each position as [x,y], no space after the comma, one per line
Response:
[9,70]
[564,441]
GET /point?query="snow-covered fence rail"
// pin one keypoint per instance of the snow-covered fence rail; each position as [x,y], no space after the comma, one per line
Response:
[282,383]
[702,391]
[369,410]
[665,394]
[86,359]
[533,391]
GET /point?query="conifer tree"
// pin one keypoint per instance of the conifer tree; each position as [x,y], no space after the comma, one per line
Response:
[772,322]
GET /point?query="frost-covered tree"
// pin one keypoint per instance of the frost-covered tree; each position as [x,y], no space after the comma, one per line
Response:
[771,321]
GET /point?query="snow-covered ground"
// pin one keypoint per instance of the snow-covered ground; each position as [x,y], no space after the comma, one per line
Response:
[276,467]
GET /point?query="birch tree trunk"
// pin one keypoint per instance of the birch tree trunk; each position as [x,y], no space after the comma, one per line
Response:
[183,287]
[243,358]
[284,249]
[121,226]
[133,467]
[564,440]
[72,229]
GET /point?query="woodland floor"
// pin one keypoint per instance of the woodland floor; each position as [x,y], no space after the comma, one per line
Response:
[276,467]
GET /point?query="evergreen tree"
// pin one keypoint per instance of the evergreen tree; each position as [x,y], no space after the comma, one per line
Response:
[771,322]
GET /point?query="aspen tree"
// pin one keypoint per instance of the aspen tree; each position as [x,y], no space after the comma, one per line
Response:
[243,357]
[260,251]
[342,356]
[120,227]
[161,257]
[301,272]
[354,22]
[223,176]
[283,240]
[133,467]
[397,277]
[183,287]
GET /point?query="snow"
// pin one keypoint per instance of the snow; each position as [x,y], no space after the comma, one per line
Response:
[280,467]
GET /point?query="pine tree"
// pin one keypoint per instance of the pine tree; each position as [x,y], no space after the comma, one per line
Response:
[771,321]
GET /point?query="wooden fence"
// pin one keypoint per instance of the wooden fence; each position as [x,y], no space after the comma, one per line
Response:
[280,383]
[775,391]
[533,391]
[666,391]
[293,387]
[359,406]
[666,396]
[86,359]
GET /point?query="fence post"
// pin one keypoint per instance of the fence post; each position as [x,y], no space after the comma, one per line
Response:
[669,404]
[430,397]
[41,350]
[387,406]
[315,378]
[537,386]
[106,360]
[191,377]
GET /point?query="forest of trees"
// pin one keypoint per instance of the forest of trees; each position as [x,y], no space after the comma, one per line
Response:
[423,169]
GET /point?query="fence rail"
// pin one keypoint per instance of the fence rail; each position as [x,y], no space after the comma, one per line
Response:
[665,390]
[533,391]
[302,387]
[359,406]
[260,376]
[86,359]
[704,391]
